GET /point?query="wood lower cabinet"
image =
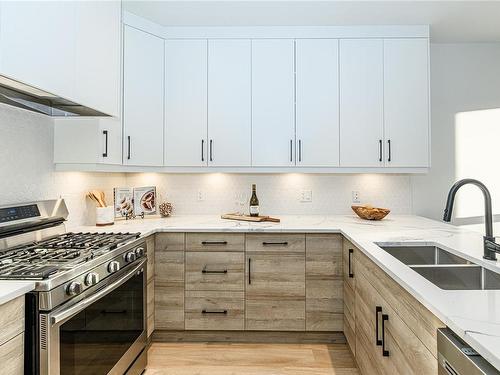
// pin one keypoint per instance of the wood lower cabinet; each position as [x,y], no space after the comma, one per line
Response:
[169,281]
[324,300]
[275,282]
[12,337]
[348,254]
[150,288]
[395,334]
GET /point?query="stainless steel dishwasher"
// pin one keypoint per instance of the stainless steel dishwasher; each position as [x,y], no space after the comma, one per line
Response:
[455,357]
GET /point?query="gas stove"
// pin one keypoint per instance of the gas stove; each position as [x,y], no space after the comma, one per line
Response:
[39,260]
[90,291]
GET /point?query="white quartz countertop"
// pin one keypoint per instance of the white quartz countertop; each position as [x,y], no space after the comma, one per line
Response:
[10,290]
[473,315]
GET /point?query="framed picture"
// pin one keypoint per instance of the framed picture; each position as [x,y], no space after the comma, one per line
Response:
[145,200]
[123,198]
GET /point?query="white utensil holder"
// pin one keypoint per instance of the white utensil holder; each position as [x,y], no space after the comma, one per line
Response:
[104,216]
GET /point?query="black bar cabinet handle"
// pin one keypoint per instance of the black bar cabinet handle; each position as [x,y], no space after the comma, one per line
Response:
[291,150]
[389,144]
[275,243]
[378,310]
[214,312]
[379,150]
[385,352]
[300,150]
[202,150]
[128,148]
[105,153]
[349,258]
[249,271]
[204,270]
[211,143]
[214,242]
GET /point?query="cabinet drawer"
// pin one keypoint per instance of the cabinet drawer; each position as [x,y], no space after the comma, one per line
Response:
[11,319]
[348,255]
[421,321]
[215,242]
[215,310]
[215,271]
[292,243]
[12,356]
[169,242]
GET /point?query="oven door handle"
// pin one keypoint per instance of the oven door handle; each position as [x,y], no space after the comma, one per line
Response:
[83,304]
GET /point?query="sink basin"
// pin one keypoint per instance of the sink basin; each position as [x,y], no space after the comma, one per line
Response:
[422,255]
[444,269]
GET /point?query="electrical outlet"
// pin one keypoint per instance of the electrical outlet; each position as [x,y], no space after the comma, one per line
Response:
[306,196]
[355,197]
[200,195]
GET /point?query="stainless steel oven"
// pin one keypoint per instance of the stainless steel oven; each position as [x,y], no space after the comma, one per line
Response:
[102,331]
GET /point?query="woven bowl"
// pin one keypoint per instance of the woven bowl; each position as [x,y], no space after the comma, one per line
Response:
[370,213]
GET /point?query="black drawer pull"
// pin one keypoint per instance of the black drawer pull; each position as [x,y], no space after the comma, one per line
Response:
[249,271]
[214,312]
[351,274]
[378,310]
[379,150]
[385,352]
[389,145]
[285,243]
[105,153]
[204,270]
[214,242]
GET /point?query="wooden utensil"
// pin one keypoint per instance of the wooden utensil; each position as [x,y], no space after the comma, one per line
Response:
[98,197]
[255,219]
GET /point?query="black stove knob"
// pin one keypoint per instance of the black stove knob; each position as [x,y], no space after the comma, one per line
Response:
[113,266]
[91,278]
[74,288]
[139,252]
[130,257]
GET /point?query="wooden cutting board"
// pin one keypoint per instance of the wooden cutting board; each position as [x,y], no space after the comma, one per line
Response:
[256,219]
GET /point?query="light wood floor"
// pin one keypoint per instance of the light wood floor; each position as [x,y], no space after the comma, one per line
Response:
[249,359]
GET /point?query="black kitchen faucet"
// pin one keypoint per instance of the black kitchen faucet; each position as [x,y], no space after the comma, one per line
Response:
[490,246]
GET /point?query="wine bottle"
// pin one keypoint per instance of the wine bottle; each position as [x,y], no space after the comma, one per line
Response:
[254,202]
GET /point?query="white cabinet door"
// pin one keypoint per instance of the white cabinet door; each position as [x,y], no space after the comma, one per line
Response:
[361,102]
[98,55]
[186,103]
[317,102]
[99,140]
[229,102]
[273,125]
[406,102]
[143,91]
[37,40]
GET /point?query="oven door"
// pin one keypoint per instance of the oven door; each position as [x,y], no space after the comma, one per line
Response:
[103,333]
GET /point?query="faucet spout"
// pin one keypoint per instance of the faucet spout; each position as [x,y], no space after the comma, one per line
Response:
[490,247]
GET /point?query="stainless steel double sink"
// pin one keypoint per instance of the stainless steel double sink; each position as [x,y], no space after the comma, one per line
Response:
[442,268]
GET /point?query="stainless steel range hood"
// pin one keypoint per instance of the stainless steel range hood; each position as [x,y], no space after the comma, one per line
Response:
[30,98]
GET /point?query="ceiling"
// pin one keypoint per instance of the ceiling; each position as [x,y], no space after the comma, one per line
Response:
[450,21]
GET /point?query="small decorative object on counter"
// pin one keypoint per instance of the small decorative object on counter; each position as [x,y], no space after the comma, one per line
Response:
[368,212]
[166,209]
[104,215]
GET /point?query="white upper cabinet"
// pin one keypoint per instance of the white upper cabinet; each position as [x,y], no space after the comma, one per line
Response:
[406,102]
[229,103]
[99,140]
[361,102]
[143,98]
[37,41]
[98,55]
[273,122]
[68,48]
[317,102]
[186,103]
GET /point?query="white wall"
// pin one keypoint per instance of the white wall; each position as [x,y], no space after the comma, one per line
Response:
[464,78]
[27,172]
